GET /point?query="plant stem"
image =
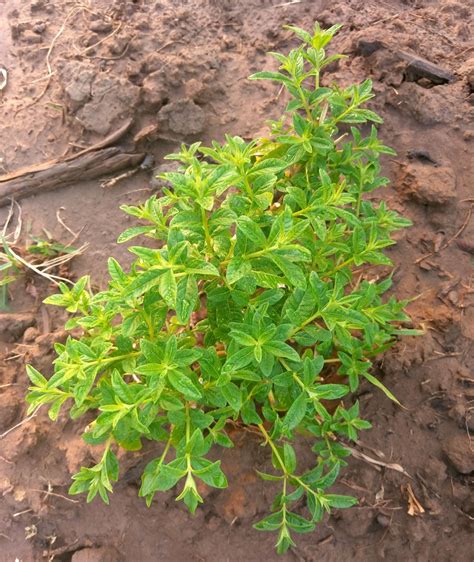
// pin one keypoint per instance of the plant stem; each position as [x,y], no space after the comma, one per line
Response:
[359,197]
[205,225]
[116,358]
[340,266]
[165,451]
[273,448]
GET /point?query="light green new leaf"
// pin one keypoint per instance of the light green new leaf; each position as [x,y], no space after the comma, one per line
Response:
[168,288]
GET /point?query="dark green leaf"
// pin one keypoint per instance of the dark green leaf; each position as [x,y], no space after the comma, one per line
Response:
[297,412]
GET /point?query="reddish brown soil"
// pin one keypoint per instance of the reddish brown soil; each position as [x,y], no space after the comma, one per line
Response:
[191,58]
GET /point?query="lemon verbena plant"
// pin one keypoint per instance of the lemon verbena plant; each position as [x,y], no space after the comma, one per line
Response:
[247,297]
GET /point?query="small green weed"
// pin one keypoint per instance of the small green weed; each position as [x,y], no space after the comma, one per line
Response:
[245,300]
[40,257]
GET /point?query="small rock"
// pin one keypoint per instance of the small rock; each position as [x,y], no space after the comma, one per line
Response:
[453,297]
[424,82]
[30,334]
[112,100]
[428,184]
[39,27]
[154,91]
[117,44]
[460,454]
[19,493]
[365,47]
[13,326]
[197,89]
[100,26]
[103,554]
[148,133]
[31,37]
[383,520]
[5,485]
[79,85]
[183,117]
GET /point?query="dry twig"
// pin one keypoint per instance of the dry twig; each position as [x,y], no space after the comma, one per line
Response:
[26,420]
[414,506]
[376,463]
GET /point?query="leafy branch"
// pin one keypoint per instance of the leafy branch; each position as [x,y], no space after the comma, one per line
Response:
[243,307]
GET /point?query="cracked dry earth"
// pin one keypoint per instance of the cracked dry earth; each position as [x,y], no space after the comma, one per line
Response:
[177,70]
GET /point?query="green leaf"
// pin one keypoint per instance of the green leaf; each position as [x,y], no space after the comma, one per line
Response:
[239,360]
[299,524]
[55,408]
[340,502]
[115,271]
[289,458]
[291,271]
[133,232]
[329,478]
[168,288]
[182,383]
[237,269]
[249,414]
[35,376]
[143,283]
[265,75]
[159,477]
[202,267]
[251,230]
[211,474]
[381,386]
[330,391]
[270,477]
[243,338]
[186,298]
[269,166]
[297,412]
[270,523]
[281,349]
[233,395]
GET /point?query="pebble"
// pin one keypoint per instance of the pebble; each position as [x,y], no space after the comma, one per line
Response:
[183,117]
[31,37]
[459,453]
[100,26]
[427,184]
[383,520]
